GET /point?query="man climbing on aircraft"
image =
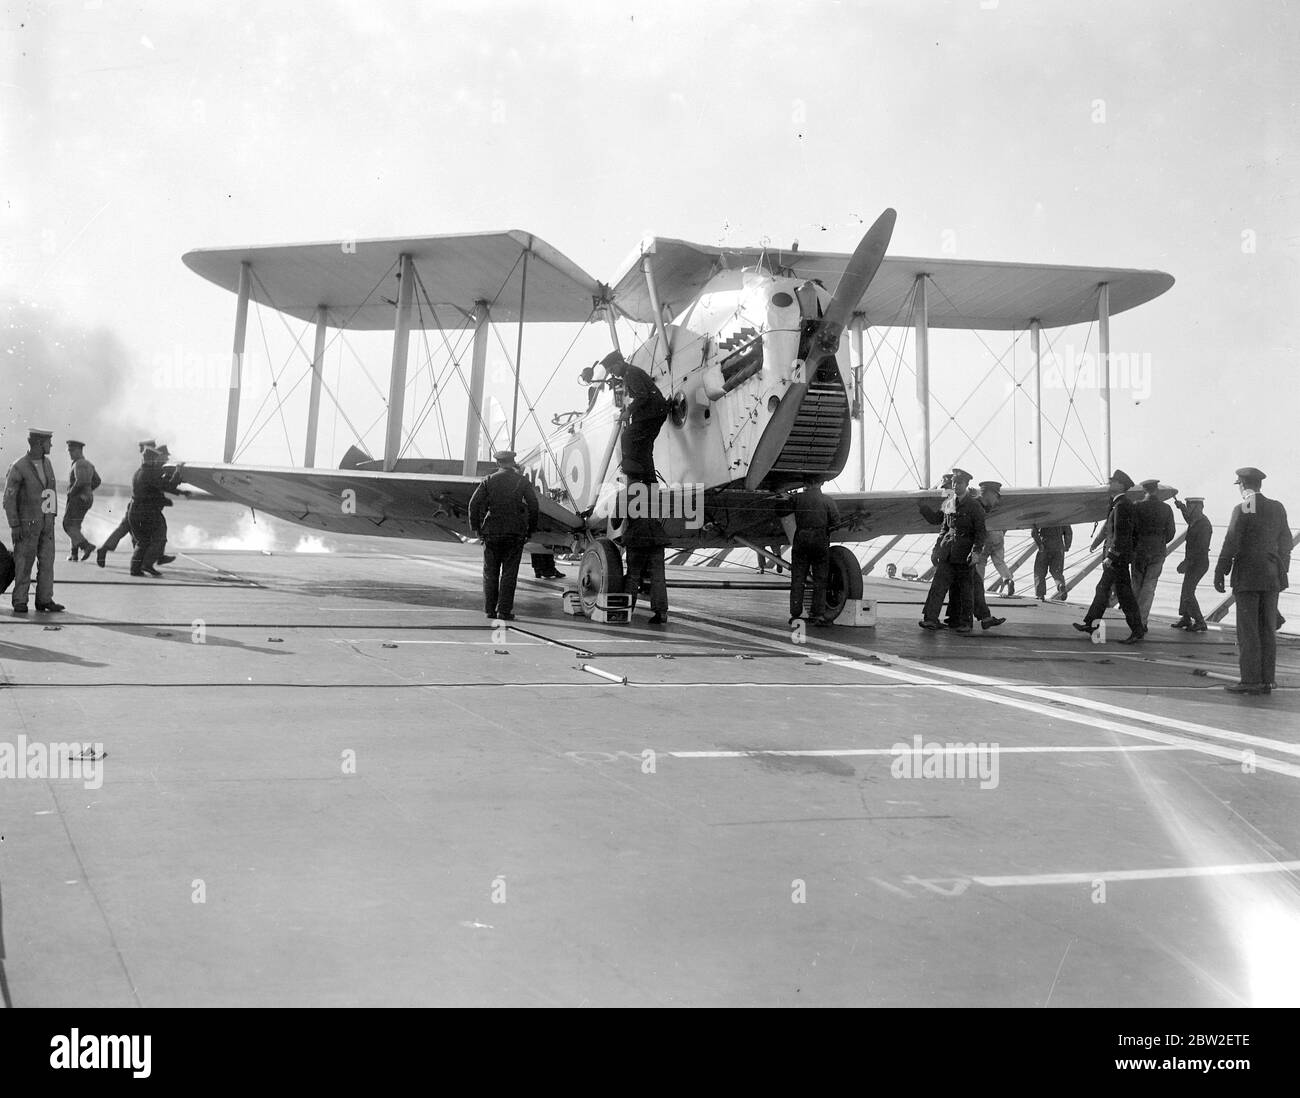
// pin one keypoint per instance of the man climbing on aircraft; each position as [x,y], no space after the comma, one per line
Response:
[644,412]
[503,512]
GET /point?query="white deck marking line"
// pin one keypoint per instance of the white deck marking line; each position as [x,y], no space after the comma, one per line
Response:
[1112,710]
[1044,693]
[1057,712]
[1234,755]
[403,641]
[835,752]
[396,610]
[1186,665]
[1023,880]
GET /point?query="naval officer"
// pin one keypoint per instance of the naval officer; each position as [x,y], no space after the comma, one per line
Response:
[31,502]
[1195,563]
[1154,528]
[1119,534]
[960,540]
[503,512]
[1257,551]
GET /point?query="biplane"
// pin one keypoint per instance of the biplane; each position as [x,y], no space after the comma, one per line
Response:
[750,346]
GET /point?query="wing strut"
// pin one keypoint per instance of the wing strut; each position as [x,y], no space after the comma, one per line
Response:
[923,376]
[397,377]
[519,350]
[237,364]
[475,426]
[647,269]
[313,401]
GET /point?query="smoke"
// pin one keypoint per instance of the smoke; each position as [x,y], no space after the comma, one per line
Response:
[71,380]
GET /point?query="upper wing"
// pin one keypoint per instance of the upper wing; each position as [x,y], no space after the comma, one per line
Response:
[355,281]
[363,501]
[969,294]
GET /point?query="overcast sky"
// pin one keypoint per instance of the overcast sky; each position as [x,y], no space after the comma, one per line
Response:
[1119,134]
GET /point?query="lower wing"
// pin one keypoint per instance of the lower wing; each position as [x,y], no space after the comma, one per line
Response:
[364,501]
[731,515]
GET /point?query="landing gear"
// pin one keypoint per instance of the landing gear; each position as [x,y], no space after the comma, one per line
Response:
[600,572]
[844,581]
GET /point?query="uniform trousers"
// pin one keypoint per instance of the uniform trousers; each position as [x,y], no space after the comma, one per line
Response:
[1115,578]
[501,556]
[34,545]
[648,561]
[1045,561]
[1188,606]
[1257,636]
[811,552]
[73,513]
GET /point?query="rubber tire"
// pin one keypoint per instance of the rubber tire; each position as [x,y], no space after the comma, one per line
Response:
[600,572]
[844,581]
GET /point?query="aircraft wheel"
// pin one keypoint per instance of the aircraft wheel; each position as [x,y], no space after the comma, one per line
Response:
[600,572]
[844,582]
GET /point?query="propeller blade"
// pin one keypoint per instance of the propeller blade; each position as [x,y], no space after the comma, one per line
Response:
[863,264]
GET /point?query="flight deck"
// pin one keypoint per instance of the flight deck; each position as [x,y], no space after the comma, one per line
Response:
[328,780]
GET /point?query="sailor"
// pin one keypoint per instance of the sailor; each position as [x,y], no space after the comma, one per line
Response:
[644,411]
[1053,543]
[815,517]
[124,527]
[986,497]
[149,488]
[644,539]
[960,540]
[1195,563]
[81,494]
[995,544]
[503,512]
[31,501]
[1257,551]
[171,482]
[1120,539]
[1155,529]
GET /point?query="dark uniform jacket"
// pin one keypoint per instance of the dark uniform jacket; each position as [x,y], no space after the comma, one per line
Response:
[83,481]
[647,402]
[1121,530]
[1154,526]
[504,506]
[1197,545]
[149,488]
[814,513]
[1048,538]
[1256,548]
[963,530]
